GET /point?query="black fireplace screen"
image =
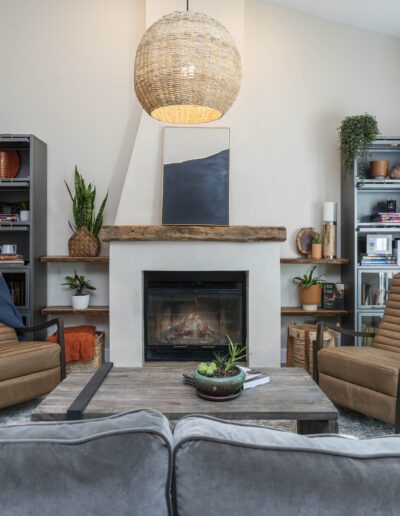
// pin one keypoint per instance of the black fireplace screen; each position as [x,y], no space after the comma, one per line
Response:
[189,314]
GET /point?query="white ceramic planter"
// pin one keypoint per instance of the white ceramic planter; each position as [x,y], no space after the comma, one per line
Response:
[310,308]
[80,302]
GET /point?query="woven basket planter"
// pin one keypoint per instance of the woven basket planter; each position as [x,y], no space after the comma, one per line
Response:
[303,336]
[83,243]
[187,69]
[97,360]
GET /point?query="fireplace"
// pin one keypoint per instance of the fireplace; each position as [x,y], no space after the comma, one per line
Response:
[187,315]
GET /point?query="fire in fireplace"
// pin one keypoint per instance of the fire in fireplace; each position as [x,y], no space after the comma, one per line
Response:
[188,315]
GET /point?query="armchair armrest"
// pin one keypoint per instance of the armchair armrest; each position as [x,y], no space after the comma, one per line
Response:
[319,343]
[60,337]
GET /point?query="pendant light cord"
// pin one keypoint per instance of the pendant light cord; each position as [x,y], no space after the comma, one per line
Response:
[187,5]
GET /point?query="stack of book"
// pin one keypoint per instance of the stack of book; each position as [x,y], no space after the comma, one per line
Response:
[8,217]
[11,259]
[378,260]
[386,218]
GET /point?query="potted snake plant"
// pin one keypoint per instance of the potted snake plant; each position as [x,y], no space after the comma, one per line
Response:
[310,289]
[87,224]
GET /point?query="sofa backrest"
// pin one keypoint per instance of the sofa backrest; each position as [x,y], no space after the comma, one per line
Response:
[119,465]
[225,468]
[7,335]
[388,334]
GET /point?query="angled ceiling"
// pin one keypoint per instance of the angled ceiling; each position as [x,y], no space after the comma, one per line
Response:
[376,15]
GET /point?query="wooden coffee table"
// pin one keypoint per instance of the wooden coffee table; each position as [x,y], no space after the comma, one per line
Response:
[291,395]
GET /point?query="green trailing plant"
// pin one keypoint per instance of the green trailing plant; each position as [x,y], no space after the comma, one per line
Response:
[224,365]
[356,133]
[83,206]
[316,239]
[308,280]
[78,284]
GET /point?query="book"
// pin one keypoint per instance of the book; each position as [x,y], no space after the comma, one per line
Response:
[333,296]
[254,378]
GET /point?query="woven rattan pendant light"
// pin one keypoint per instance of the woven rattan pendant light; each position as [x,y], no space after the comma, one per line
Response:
[187,69]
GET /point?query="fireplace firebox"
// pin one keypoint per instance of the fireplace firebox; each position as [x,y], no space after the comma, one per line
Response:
[187,315]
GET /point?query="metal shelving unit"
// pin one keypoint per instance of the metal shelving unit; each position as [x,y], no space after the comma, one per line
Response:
[30,185]
[367,286]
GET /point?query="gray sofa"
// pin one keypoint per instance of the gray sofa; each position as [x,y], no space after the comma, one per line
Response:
[132,464]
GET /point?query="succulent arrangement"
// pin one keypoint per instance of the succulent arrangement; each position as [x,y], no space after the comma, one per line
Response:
[356,133]
[316,239]
[83,206]
[78,284]
[224,365]
[308,280]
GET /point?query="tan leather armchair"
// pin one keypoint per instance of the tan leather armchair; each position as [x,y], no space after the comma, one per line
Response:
[29,369]
[365,378]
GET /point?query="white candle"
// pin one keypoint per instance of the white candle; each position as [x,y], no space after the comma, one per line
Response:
[330,212]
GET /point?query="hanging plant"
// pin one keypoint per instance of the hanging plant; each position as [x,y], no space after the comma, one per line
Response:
[356,133]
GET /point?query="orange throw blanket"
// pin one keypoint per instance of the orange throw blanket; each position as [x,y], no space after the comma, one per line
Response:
[79,342]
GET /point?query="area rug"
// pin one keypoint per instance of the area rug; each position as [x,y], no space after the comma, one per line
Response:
[350,423]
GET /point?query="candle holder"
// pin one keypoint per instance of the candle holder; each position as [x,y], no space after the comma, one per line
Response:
[329,230]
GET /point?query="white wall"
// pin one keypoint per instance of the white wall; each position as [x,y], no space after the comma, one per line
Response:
[67,74]
[301,76]
[67,77]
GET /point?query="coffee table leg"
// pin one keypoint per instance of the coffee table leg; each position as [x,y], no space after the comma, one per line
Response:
[318,427]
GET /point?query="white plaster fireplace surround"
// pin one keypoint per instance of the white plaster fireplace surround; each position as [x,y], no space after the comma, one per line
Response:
[135,249]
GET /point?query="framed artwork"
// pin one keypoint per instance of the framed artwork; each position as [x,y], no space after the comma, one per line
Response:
[196,175]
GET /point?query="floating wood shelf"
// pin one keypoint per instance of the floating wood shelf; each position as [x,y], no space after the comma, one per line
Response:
[75,259]
[189,233]
[328,261]
[68,310]
[321,312]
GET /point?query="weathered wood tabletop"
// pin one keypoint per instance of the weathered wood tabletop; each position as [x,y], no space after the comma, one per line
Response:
[291,395]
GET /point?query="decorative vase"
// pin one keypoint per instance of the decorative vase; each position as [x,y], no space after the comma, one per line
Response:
[80,302]
[395,172]
[310,297]
[379,168]
[316,251]
[219,386]
[24,215]
[83,243]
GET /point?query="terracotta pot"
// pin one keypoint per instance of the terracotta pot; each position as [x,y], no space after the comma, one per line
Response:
[379,168]
[310,297]
[316,251]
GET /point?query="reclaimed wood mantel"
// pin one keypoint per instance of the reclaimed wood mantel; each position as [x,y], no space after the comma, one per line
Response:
[194,233]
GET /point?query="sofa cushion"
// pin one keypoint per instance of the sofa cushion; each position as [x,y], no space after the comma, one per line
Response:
[22,358]
[369,367]
[226,468]
[119,465]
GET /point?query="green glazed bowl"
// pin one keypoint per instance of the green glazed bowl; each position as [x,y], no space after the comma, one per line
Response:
[219,386]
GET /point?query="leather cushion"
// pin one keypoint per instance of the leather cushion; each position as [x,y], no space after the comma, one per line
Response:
[22,358]
[369,367]
[7,334]
[388,334]
[371,403]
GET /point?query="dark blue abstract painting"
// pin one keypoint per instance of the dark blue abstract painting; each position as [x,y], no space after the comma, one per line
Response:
[197,191]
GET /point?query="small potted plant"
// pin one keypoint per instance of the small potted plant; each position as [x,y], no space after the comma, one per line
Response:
[24,213]
[309,290]
[80,287]
[316,247]
[222,377]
